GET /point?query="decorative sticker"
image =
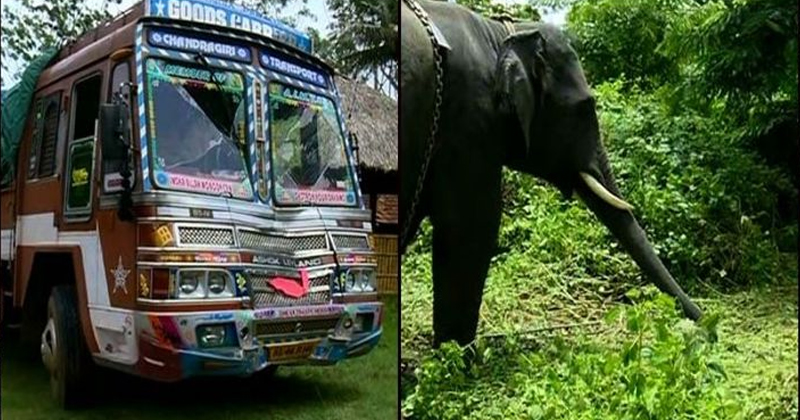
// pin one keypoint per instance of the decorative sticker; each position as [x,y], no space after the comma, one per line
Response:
[205,185]
[163,236]
[144,285]
[283,64]
[241,283]
[120,277]
[81,161]
[179,41]
[298,311]
[291,287]
[357,259]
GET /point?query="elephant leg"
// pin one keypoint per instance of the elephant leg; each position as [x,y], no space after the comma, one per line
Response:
[466,219]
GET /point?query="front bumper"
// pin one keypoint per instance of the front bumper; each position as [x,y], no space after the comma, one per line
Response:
[169,347]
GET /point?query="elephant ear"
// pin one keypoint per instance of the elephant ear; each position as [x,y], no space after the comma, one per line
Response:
[520,76]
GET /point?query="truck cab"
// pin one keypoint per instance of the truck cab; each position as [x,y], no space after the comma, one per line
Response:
[186,202]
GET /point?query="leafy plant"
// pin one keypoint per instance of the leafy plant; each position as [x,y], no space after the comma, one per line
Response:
[657,367]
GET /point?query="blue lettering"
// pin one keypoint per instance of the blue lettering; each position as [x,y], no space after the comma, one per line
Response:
[292,69]
[229,16]
[189,43]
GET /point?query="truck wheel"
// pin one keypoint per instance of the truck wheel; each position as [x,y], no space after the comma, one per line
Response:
[63,349]
[267,374]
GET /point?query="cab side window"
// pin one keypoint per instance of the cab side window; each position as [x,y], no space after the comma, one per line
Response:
[85,107]
[120,75]
[42,163]
[111,168]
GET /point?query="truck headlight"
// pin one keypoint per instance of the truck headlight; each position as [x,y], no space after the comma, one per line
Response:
[199,284]
[190,284]
[219,284]
[359,280]
[367,281]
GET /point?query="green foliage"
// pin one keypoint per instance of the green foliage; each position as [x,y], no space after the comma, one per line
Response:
[734,61]
[34,25]
[679,133]
[657,367]
[708,203]
[741,50]
[621,39]
[274,9]
[364,39]
[489,8]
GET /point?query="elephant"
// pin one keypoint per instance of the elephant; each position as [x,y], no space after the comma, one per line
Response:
[513,95]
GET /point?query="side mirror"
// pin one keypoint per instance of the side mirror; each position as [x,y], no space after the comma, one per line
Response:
[114,135]
[115,142]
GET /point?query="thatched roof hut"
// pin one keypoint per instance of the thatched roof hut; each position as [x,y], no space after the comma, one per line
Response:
[372,116]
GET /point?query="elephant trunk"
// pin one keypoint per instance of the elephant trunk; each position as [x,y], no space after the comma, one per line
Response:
[626,229]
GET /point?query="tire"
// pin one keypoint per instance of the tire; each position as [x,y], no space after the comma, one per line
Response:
[33,322]
[64,351]
[267,374]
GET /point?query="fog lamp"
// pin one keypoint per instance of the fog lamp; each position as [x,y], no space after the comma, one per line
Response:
[364,322]
[214,335]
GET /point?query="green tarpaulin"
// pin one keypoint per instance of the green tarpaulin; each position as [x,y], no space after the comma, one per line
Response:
[15,105]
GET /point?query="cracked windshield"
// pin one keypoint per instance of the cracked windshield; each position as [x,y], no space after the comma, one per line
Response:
[197,128]
[308,149]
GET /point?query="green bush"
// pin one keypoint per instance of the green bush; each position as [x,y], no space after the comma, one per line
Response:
[657,367]
[707,201]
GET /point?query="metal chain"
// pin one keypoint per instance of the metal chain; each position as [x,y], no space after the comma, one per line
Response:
[437,103]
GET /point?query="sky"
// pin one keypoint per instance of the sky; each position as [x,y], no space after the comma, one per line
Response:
[320,21]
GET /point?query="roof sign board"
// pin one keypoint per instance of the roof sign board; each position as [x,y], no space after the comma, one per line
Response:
[283,64]
[178,41]
[217,13]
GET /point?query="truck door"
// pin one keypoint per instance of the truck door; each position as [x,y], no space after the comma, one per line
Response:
[79,176]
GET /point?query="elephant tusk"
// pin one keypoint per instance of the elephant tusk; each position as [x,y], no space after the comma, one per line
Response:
[604,194]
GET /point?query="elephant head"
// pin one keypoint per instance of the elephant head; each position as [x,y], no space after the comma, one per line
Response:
[543,96]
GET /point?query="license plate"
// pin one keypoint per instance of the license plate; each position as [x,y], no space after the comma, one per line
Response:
[293,351]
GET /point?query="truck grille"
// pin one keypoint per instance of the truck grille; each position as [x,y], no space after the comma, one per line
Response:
[263,295]
[262,241]
[311,326]
[350,241]
[191,235]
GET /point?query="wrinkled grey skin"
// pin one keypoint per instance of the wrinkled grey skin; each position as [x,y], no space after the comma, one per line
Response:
[522,102]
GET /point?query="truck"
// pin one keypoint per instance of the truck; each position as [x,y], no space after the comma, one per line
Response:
[183,200]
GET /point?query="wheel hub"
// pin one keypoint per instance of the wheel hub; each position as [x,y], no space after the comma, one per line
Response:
[49,344]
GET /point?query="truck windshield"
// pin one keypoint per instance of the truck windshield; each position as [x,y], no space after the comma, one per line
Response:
[196,127]
[309,161]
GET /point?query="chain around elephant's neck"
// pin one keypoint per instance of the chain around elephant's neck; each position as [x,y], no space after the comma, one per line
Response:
[420,13]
